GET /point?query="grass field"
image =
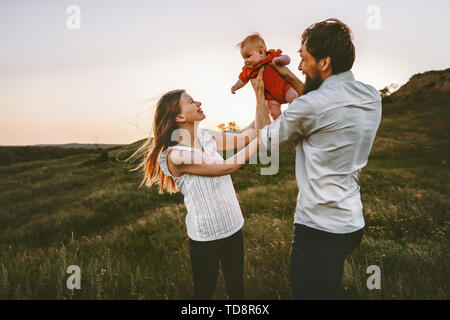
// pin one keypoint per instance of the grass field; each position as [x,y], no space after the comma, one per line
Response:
[85,209]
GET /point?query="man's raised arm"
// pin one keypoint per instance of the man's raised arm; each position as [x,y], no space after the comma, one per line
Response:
[297,121]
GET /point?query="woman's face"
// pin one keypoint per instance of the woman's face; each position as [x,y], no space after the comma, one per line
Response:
[190,109]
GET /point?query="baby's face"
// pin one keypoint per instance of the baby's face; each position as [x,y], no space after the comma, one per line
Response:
[252,55]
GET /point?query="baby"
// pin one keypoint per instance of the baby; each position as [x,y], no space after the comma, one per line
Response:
[255,54]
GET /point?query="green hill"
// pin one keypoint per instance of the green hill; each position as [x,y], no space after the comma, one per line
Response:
[85,209]
[13,155]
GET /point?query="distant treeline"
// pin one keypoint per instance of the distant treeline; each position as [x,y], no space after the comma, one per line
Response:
[11,155]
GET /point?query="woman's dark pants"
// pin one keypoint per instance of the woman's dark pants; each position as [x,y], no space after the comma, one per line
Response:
[205,257]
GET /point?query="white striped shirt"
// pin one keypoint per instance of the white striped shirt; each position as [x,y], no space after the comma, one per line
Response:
[213,210]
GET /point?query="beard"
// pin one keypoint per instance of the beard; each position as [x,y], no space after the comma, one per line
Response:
[312,84]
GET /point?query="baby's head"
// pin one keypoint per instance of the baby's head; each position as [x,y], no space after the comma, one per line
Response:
[253,49]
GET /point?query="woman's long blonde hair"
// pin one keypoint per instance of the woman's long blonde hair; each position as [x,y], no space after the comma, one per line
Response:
[164,124]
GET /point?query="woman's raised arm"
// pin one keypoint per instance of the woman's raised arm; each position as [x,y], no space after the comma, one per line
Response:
[181,162]
[229,141]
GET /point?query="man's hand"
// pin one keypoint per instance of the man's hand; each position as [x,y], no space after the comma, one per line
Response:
[282,60]
[281,69]
[290,78]
[258,83]
[277,61]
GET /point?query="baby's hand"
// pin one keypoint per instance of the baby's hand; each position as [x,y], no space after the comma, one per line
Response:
[239,84]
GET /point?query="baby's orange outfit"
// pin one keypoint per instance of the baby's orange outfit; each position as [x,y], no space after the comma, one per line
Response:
[275,87]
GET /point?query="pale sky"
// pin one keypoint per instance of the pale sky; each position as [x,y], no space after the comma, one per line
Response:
[100,83]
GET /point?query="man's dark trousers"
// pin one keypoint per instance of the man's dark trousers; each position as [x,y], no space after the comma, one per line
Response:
[317,261]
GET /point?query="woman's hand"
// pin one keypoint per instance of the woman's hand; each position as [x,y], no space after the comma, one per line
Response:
[258,83]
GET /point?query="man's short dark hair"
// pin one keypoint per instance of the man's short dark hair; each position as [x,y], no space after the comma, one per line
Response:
[331,38]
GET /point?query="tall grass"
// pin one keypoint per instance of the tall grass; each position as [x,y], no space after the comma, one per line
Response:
[131,243]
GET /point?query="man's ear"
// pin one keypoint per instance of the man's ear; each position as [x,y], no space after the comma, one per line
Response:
[180,118]
[324,67]
[325,64]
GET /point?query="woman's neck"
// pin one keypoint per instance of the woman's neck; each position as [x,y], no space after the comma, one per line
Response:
[188,135]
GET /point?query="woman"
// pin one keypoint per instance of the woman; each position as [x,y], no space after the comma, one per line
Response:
[183,157]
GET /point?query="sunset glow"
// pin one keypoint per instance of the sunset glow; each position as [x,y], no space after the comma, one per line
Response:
[100,83]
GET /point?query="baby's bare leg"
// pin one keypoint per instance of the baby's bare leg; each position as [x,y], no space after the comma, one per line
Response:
[274,108]
[291,94]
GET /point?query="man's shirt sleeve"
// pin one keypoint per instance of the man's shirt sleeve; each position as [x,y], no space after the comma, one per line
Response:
[296,122]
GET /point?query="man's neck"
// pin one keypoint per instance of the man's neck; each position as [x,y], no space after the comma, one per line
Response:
[325,74]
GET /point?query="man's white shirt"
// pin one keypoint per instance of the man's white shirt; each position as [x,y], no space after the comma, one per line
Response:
[333,129]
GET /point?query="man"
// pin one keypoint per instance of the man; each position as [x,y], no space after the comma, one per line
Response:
[332,125]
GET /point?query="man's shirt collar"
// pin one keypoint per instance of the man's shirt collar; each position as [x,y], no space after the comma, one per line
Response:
[340,77]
